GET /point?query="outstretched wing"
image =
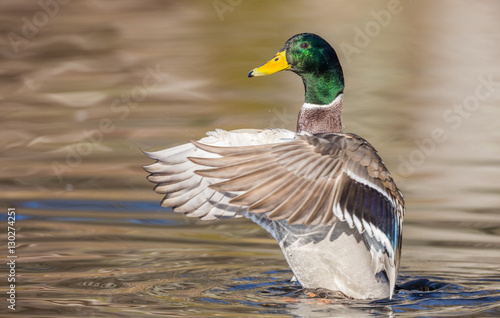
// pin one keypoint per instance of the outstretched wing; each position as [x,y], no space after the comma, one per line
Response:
[310,180]
[315,179]
[189,193]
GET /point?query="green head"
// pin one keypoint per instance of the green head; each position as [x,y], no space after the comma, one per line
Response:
[315,61]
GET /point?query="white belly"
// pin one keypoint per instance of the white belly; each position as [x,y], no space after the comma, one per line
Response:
[334,258]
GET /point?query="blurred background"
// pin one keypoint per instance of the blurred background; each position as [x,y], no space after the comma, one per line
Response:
[85,86]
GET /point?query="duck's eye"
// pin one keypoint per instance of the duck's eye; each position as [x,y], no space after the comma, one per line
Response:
[304,45]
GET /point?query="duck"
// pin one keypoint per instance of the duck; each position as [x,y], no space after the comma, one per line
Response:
[326,196]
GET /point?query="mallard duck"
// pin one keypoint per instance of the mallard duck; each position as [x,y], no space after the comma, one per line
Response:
[324,195]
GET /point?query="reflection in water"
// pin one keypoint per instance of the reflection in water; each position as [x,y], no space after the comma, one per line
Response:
[80,101]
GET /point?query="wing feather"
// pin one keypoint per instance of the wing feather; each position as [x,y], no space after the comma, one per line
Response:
[175,171]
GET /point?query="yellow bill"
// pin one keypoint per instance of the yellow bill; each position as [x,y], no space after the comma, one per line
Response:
[276,64]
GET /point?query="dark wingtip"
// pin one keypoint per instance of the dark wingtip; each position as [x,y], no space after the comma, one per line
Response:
[250,74]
